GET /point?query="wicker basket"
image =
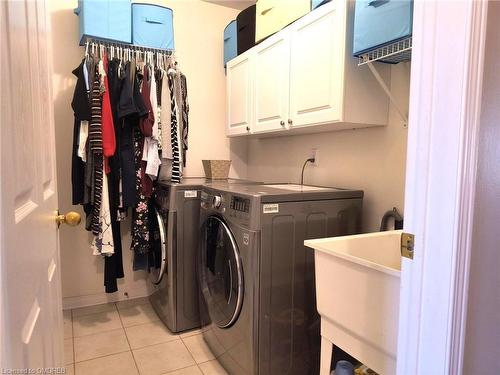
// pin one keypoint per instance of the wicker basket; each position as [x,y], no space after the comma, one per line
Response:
[216,169]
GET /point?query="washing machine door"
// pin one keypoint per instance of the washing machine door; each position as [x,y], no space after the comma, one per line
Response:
[221,273]
[159,249]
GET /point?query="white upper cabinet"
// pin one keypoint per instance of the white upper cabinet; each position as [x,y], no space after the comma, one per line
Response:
[304,79]
[239,91]
[316,69]
[272,84]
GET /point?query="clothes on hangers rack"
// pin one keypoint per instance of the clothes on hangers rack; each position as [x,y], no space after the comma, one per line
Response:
[123,100]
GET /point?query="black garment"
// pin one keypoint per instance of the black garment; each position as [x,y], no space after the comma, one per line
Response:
[113,265]
[141,213]
[115,82]
[130,108]
[81,109]
[80,102]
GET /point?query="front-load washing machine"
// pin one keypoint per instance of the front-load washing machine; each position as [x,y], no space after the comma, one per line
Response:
[175,284]
[257,291]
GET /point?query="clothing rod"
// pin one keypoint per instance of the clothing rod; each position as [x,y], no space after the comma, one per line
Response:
[132,47]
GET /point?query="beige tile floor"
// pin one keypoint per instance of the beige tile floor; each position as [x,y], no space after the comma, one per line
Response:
[127,338]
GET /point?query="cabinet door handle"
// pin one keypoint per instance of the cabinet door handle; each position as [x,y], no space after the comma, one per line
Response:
[282,123]
[290,121]
[248,128]
[264,12]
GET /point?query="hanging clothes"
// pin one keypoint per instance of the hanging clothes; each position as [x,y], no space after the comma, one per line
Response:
[81,108]
[176,173]
[176,74]
[95,150]
[126,111]
[185,118]
[113,264]
[151,148]
[131,108]
[108,128]
[140,215]
[102,140]
[165,122]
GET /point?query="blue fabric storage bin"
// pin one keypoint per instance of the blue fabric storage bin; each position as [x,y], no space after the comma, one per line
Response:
[230,42]
[152,26]
[105,19]
[317,3]
[380,22]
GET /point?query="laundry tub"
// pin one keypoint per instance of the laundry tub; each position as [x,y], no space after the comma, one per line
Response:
[357,292]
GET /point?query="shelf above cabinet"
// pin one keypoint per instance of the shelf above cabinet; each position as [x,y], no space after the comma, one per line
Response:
[393,53]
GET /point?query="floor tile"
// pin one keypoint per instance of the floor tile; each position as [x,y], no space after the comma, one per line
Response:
[198,348]
[149,334]
[117,364]
[212,368]
[70,369]
[139,314]
[100,344]
[93,309]
[190,333]
[131,303]
[191,370]
[68,351]
[95,323]
[162,358]
[68,326]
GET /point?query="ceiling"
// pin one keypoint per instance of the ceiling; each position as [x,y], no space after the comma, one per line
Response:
[235,4]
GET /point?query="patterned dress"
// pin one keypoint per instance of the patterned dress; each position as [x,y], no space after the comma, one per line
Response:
[140,214]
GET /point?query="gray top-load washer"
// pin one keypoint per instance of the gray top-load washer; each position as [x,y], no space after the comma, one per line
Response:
[257,300]
[175,296]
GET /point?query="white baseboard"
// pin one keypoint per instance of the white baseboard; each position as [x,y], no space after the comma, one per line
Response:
[100,298]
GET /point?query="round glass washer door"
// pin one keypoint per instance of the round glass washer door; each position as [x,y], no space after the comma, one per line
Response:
[221,273]
[158,256]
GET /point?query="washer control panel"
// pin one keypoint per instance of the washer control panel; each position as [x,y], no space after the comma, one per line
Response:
[240,204]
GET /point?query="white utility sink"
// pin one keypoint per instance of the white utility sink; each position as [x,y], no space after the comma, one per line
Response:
[357,292]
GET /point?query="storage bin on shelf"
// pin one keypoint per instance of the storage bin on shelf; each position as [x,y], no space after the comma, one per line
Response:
[105,19]
[381,22]
[230,42]
[273,15]
[152,26]
[245,25]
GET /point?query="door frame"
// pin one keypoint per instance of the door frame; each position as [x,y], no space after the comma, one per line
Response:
[444,120]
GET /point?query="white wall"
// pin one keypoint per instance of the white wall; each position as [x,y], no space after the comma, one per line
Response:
[371,159]
[482,344]
[198,37]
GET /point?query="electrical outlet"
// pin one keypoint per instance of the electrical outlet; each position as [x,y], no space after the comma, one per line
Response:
[315,155]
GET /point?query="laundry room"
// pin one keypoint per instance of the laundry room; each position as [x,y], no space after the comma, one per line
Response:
[249,187]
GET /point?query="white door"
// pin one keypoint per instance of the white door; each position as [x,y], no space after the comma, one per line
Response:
[316,65]
[272,83]
[30,297]
[239,95]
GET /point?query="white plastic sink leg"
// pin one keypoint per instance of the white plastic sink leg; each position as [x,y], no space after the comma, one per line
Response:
[326,356]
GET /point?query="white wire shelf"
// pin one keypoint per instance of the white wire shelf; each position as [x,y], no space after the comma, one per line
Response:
[393,53]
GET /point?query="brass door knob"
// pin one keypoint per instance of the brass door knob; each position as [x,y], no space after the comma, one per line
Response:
[72,218]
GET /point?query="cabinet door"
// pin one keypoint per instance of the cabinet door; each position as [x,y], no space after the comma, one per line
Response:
[272,83]
[316,67]
[239,86]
